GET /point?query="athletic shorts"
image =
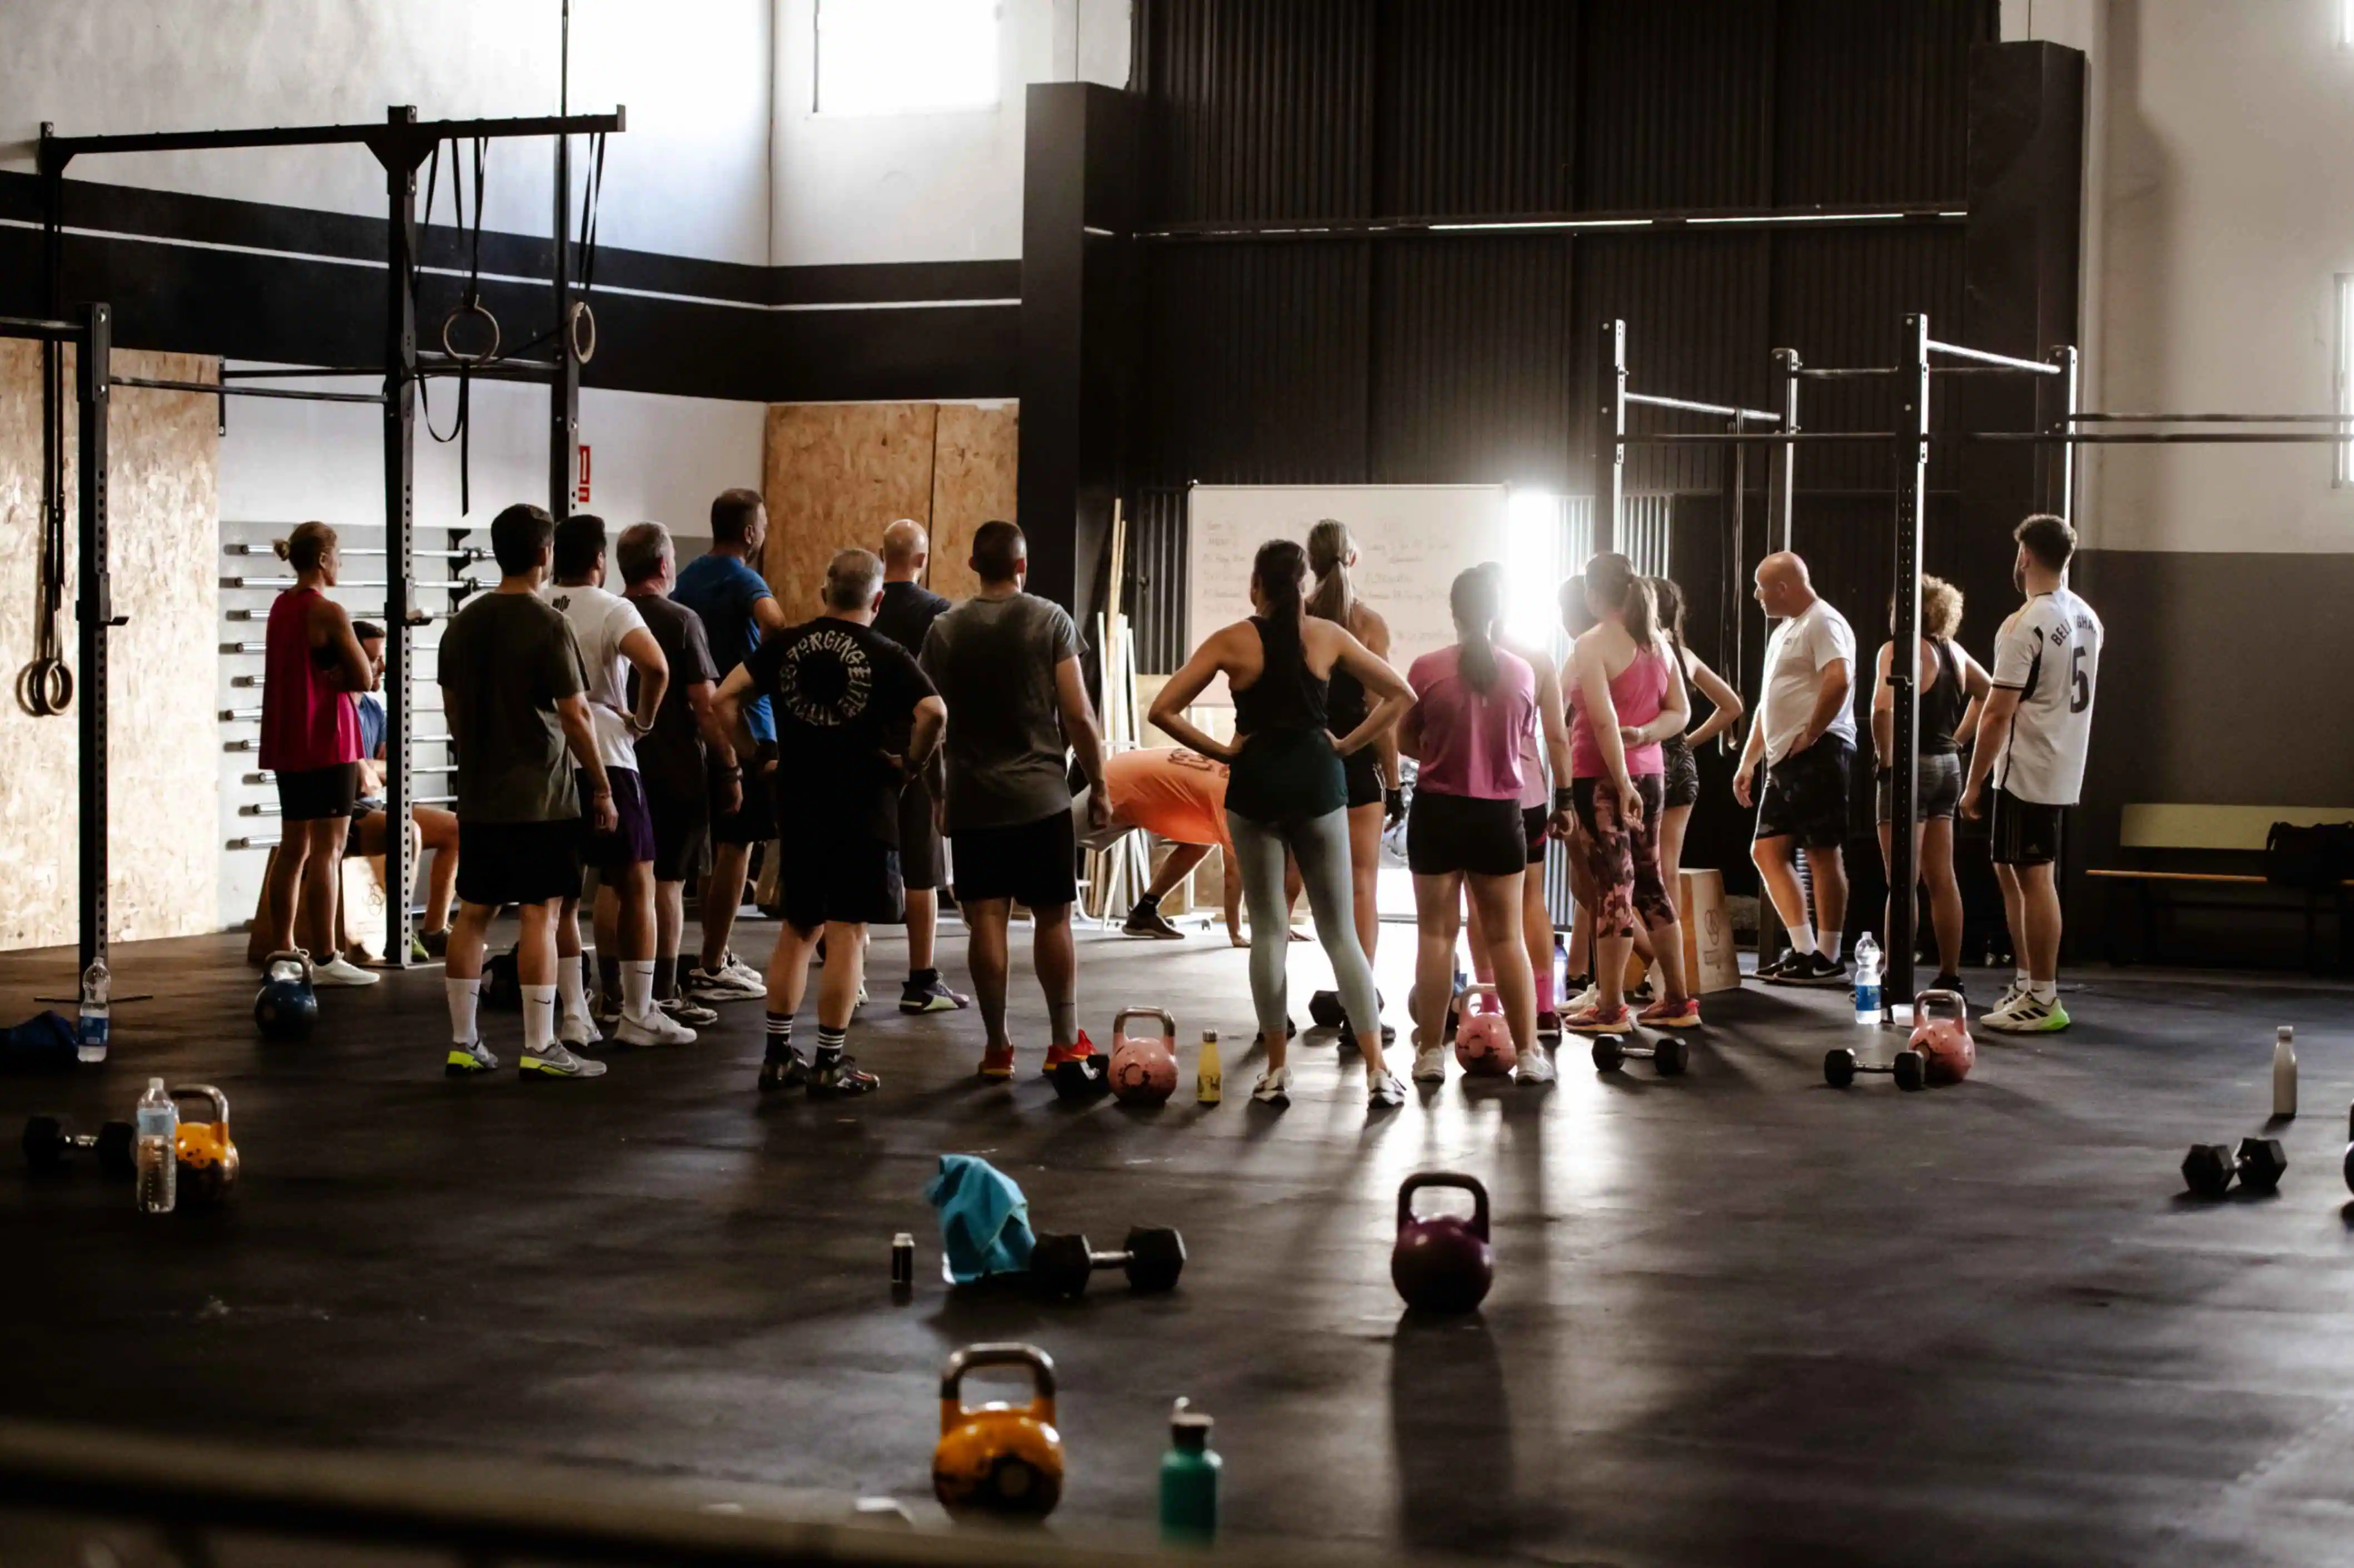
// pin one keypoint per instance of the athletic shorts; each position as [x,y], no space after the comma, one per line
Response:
[317,793]
[518,863]
[632,841]
[919,837]
[1940,792]
[2025,833]
[1032,864]
[1363,769]
[849,877]
[1449,833]
[756,820]
[361,809]
[681,827]
[1622,858]
[1532,823]
[1681,778]
[1806,795]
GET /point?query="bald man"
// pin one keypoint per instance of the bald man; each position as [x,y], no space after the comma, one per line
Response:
[1805,734]
[907,616]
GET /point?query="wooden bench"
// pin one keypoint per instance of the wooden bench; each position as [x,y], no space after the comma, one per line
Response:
[2212,842]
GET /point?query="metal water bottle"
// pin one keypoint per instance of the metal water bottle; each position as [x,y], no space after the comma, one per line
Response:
[1188,1479]
[2284,1071]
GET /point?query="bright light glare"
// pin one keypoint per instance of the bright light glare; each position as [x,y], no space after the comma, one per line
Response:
[1534,539]
[2345,24]
[906,57]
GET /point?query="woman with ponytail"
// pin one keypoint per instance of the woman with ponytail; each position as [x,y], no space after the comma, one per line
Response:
[1372,773]
[1288,790]
[1626,695]
[1681,767]
[1474,702]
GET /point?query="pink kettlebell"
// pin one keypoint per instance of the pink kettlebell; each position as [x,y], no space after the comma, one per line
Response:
[1483,1038]
[1941,1033]
[1143,1066]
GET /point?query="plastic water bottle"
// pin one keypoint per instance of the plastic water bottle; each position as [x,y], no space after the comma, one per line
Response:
[2284,1071]
[96,1025]
[1867,981]
[1188,1479]
[157,1149]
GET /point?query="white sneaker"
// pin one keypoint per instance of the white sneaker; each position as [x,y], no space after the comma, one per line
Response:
[743,973]
[1273,1089]
[723,985]
[556,1061]
[2024,1014]
[1589,998]
[339,971]
[2012,991]
[1536,1067]
[1384,1089]
[656,1028]
[1429,1064]
[577,1032]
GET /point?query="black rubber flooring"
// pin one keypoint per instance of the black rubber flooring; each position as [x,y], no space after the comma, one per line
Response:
[1739,1316]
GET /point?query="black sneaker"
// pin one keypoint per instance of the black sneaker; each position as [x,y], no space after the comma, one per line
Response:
[1549,1024]
[1772,973]
[791,1072]
[1346,1040]
[1814,970]
[840,1077]
[1948,982]
[1146,920]
[1641,995]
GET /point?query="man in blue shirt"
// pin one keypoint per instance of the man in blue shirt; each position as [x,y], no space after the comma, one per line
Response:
[737,610]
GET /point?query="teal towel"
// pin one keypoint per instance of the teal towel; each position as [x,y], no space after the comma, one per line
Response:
[984,1219]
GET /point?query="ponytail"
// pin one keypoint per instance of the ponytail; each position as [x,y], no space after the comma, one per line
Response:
[1478,601]
[1278,571]
[306,547]
[1610,580]
[1335,598]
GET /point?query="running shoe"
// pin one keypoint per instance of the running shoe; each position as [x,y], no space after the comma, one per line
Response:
[1549,1024]
[930,996]
[417,953]
[1815,972]
[606,1009]
[1951,982]
[435,943]
[1273,1089]
[656,1028]
[1429,1064]
[1536,1067]
[2026,1015]
[1058,1054]
[2012,991]
[709,986]
[997,1062]
[470,1060]
[1641,993]
[556,1061]
[340,971]
[576,1032]
[839,1079]
[1147,920]
[1594,1020]
[1589,997]
[1684,1014]
[790,1074]
[1771,973]
[687,1012]
[743,973]
[1384,1091]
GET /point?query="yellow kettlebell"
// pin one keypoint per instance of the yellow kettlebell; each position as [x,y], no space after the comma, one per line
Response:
[207,1158]
[1001,1458]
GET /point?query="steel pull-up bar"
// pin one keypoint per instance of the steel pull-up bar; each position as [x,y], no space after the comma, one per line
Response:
[1721,411]
[1611,440]
[1998,361]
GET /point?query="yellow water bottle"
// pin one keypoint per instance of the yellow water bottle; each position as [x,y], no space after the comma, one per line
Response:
[1209,1082]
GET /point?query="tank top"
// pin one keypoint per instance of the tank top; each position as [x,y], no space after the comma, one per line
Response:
[1638,692]
[1285,770]
[1942,704]
[307,721]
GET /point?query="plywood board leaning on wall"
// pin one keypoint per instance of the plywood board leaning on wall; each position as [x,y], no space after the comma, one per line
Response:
[165,510]
[972,481]
[835,474]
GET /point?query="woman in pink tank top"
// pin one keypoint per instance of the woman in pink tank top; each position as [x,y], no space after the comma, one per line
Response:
[311,740]
[1626,695]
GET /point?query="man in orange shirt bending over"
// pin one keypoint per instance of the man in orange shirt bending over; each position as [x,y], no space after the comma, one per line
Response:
[1180,796]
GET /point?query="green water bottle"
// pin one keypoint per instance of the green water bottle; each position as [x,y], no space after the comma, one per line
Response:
[1188,1479]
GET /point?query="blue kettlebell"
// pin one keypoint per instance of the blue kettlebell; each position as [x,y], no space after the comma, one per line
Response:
[287,1007]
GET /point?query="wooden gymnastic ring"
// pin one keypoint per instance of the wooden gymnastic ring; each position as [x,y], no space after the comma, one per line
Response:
[470,308]
[579,313]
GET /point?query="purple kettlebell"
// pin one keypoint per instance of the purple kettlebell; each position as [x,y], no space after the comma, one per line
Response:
[1442,1263]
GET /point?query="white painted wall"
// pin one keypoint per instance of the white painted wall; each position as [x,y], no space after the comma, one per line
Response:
[690,177]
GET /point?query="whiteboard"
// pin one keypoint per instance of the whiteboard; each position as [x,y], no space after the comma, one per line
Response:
[1411,541]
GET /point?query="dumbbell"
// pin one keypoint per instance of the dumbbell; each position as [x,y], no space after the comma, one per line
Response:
[1908,1067]
[2209,1169]
[1668,1055]
[1154,1257]
[2349,1147]
[50,1144]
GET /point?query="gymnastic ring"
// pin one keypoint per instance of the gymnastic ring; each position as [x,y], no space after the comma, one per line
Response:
[581,313]
[45,687]
[470,308]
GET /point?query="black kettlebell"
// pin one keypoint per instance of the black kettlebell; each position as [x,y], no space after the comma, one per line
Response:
[1442,1263]
[286,1008]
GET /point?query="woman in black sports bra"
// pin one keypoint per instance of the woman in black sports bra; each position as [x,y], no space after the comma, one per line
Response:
[1287,789]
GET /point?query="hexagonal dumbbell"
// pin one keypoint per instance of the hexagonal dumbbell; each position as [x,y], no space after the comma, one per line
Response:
[51,1143]
[2258,1164]
[1154,1257]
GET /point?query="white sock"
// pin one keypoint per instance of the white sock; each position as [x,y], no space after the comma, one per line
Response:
[637,989]
[463,995]
[569,988]
[539,1015]
[2022,979]
[1802,938]
[2045,991]
[1830,945]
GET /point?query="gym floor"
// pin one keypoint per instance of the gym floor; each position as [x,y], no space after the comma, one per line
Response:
[1741,1316]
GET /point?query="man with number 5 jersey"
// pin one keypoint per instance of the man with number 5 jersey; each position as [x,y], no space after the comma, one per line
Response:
[2032,737]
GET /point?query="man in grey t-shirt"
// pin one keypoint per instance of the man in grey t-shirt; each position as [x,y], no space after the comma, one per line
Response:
[1007,664]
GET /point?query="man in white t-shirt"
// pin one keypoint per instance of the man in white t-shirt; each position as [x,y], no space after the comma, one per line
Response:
[2033,736]
[1805,734]
[613,640]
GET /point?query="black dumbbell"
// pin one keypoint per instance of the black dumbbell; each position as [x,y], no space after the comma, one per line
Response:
[1668,1055]
[2349,1149]
[1908,1067]
[1325,1011]
[2258,1164]
[50,1144]
[1154,1257]
[1082,1079]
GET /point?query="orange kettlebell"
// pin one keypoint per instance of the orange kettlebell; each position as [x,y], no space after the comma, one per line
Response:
[1143,1066]
[207,1158]
[1001,1458]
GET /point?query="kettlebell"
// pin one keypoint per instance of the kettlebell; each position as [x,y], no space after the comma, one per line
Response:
[206,1156]
[998,1459]
[1483,1040]
[1143,1066]
[1941,1036]
[286,1006]
[1442,1263]
[1082,1079]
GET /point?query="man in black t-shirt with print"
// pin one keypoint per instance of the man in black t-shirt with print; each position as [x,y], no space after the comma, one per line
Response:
[907,616]
[842,695]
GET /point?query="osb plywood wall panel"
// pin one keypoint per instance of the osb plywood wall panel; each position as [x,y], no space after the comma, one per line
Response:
[972,481]
[165,510]
[834,475]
